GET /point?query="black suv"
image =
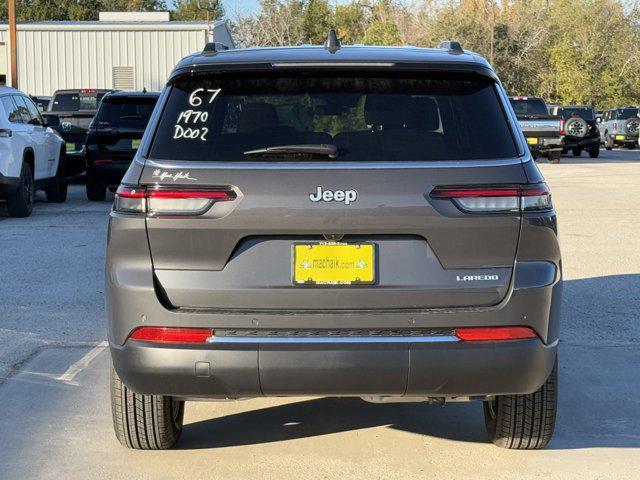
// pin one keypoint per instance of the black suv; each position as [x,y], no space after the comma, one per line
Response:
[331,221]
[114,137]
[579,129]
[75,108]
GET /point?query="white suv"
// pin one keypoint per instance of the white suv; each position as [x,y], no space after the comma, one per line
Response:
[31,154]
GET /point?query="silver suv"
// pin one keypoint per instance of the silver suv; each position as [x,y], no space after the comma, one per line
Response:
[345,221]
[620,127]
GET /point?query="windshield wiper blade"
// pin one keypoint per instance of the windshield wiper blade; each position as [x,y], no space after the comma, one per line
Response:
[313,149]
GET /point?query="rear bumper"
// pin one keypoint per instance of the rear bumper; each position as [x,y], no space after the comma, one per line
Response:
[442,369]
[573,142]
[545,144]
[8,185]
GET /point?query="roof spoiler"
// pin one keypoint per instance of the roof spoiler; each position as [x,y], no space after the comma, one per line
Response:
[451,45]
[214,47]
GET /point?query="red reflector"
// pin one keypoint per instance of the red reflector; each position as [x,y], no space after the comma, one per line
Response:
[484,334]
[218,195]
[171,335]
[101,161]
[88,90]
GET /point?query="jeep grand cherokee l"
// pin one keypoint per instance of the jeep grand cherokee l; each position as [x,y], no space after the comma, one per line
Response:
[332,221]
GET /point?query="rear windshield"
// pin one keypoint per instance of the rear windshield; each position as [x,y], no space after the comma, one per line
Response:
[367,119]
[529,106]
[72,102]
[625,113]
[125,112]
[582,112]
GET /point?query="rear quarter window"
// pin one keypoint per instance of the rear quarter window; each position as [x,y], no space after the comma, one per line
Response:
[368,119]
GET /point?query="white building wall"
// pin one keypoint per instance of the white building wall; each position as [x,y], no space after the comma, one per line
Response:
[58,55]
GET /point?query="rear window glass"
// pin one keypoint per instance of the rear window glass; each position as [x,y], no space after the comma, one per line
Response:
[586,113]
[529,106]
[125,112]
[625,113]
[72,102]
[367,119]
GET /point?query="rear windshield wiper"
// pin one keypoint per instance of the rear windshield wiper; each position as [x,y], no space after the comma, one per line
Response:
[311,149]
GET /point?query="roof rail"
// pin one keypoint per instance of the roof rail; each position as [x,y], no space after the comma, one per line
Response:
[452,46]
[214,47]
[332,43]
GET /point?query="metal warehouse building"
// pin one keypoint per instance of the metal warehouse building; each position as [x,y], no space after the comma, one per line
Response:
[123,50]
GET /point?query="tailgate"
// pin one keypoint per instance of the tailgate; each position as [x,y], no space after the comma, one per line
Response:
[238,255]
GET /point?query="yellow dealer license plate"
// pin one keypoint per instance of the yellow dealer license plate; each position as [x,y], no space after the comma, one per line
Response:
[331,263]
[532,141]
[619,137]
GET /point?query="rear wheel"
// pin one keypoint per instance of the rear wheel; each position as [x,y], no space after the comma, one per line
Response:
[594,152]
[523,422]
[20,203]
[96,190]
[554,157]
[144,422]
[608,143]
[576,152]
[57,191]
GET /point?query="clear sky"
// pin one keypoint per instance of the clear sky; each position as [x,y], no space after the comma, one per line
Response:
[234,7]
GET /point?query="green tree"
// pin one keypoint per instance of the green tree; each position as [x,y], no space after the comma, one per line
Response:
[318,19]
[186,10]
[350,22]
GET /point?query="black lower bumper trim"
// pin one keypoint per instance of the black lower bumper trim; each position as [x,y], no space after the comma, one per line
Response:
[442,369]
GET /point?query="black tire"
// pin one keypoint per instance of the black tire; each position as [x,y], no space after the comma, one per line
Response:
[144,422]
[631,146]
[632,126]
[524,422]
[96,190]
[20,203]
[57,192]
[608,142]
[554,157]
[576,152]
[594,152]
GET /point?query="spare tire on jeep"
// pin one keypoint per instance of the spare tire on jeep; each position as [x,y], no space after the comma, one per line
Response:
[632,126]
[576,127]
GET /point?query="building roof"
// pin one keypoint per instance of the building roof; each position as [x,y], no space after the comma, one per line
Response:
[356,56]
[113,25]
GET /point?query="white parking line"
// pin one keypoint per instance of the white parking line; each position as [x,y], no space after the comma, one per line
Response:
[81,364]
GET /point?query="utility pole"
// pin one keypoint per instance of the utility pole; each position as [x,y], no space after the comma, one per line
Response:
[13,40]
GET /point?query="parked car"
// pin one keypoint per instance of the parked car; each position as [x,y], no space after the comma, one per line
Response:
[75,108]
[41,102]
[343,229]
[620,127]
[580,130]
[542,130]
[31,154]
[113,139]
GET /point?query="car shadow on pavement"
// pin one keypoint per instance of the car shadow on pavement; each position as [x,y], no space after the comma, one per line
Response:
[617,156]
[599,393]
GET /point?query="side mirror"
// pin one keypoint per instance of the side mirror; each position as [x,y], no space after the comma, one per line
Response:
[51,120]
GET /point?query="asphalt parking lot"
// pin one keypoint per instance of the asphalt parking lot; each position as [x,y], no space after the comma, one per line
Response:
[56,421]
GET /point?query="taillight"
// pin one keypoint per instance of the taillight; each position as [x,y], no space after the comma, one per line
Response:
[160,201]
[489,334]
[171,335]
[562,131]
[501,199]
[5,132]
[615,126]
[101,161]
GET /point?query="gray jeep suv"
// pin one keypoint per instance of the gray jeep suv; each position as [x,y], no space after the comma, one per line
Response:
[340,221]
